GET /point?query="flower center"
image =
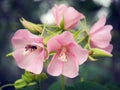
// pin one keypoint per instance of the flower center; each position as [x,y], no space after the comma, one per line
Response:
[63,56]
[29,49]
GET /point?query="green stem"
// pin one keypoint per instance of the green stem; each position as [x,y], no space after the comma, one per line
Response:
[6,85]
[80,41]
[39,85]
[49,31]
[31,84]
[81,24]
[86,46]
[44,27]
[85,23]
[89,43]
[51,26]
[85,26]
[63,82]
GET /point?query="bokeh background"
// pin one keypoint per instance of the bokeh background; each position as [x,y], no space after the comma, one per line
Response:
[103,72]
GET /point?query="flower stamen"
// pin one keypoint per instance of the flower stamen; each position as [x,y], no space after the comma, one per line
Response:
[63,56]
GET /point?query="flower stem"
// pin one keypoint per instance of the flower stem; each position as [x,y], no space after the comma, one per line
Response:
[51,26]
[6,85]
[31,84]
[44,27]
[80,41]
[63,82]
[85,23]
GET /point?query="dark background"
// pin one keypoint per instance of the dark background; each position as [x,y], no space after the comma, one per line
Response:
[102,71]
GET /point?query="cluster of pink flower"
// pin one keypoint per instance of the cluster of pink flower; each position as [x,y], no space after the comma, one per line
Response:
[31,52]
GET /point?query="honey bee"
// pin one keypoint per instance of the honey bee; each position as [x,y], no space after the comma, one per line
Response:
[31,47]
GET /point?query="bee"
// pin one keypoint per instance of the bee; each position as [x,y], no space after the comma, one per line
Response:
[31,47]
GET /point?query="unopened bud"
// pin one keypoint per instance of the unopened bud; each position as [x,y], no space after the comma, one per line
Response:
[20,84]
[98,53]
[34,28]
[41,77]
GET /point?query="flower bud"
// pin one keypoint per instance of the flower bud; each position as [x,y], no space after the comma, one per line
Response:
[20,84]
[41,77]
[34,28]
[27,78]
[98,53]
[70,14]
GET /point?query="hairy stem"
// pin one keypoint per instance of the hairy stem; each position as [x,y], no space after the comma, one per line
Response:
[6,85]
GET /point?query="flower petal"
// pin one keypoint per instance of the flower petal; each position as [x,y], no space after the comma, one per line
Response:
[55,66]
[32,62]
[23,37]
[109,48]
[78,52]
[56,42]
[65,38]
[53,45]
[58,12]
[99,24]
[70,68]
[36,65]
[63,11]
[73,19]
[19,57]
[101,38]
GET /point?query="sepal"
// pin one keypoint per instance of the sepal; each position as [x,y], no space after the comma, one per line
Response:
[34,28]
[62,23]
[96,53]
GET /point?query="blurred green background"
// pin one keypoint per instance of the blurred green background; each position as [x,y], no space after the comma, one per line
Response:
[105,72]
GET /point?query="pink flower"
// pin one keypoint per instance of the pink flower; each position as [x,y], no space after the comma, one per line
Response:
[29,51]
[69,55]
[100,35]
[70,15]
